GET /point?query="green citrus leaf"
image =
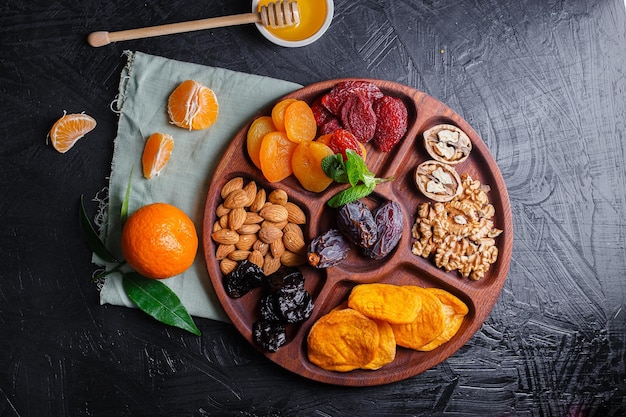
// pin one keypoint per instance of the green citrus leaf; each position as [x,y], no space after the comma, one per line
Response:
[91,236]
[158,300]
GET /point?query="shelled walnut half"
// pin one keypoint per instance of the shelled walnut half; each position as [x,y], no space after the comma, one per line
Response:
[447,143]
[437,181]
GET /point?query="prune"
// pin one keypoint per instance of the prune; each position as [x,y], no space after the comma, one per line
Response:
[388,218]
[243,278]
[356,222]
[270,335]
[391,124]
[284,277]
[328,249]
[294,304]
[335,99]
[268,309]
[358,117]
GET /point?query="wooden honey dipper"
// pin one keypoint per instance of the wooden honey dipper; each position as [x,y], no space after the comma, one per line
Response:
[277,14]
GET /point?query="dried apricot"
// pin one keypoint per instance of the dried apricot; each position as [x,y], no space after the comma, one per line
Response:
[386,350]
[306,163]
[278,113]
[391,303]
[275,156]
[299,122]
[343,340]
[454,310]
[428,325]
[260,127]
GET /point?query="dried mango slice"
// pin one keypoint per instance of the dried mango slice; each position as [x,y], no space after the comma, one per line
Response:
[455,310]
[386,351]
[343,340]
[391,303]
[429,324]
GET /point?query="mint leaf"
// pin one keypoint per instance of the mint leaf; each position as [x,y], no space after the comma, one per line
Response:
[351,194]
[159,301]
[334,167]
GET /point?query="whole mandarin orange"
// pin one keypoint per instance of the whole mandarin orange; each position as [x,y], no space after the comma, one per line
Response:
[159,241]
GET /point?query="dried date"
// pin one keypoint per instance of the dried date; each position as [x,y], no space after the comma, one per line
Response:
[328,249]
[388,218]
[356,222]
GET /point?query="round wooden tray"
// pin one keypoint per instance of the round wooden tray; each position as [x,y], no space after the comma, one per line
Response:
[330,287]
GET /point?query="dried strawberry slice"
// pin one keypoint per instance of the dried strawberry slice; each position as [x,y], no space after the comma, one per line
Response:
[341,140]
[321,113]
[330,125]
[358,117]
[391,113]
[335,99]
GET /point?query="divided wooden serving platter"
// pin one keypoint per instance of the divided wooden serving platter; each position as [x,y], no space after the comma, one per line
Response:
[330,287]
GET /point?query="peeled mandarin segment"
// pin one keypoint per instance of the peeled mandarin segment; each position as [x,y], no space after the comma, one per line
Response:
[192,106]
[278,113]
[260,127]
[156,153]
[343,340]
[275,156]
[299,122]
[429,324]
[306,163]
[386,351]
[390,303]
[69,129]
[455,311]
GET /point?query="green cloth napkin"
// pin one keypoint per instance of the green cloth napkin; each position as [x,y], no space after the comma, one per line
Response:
[145,85]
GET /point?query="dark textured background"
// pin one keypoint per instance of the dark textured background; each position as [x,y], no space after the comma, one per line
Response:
[542,81]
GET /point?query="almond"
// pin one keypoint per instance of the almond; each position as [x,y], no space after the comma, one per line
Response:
[292,227]
[251,191]
[259,201]
[278,197]
[277,248]
[295,213]
[291,259]
[279,225]
[221,210]
[293,242]
[227,266]
[268,234]
[253,218]
[239,255]
[236,218]
[274,213]
[249,229]
[216,226]
[224,221]
[256,258]
[236,199]
[232,185]
[226,237]
[246,241]
[261,247]
[270,264]
[223,251]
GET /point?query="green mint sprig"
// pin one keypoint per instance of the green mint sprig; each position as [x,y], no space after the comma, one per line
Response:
[353,171]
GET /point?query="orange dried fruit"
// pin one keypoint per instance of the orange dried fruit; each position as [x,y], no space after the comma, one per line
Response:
[391,303]
[156,152]
[454,310]
[159,241]
[260,127]
[278,113]
[299,122]
[192,106]
[343,340]
[429,324]
[66,131]
[306,163]
[275,156]
[386,350]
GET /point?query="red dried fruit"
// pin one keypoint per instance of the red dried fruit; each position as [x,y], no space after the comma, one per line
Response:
[392,115]
[330,125]
[321,113]
[358,117]
[335,99]
[341,140]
